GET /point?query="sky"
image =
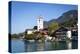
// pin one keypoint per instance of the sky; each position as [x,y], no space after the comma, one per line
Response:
[24,14]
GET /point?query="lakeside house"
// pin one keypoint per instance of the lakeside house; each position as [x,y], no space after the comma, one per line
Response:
[60,33]
[65,32]
[75,33]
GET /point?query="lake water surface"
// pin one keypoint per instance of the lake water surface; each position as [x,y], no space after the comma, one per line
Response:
[18,45]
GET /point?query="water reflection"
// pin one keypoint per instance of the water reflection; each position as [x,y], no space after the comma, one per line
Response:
[29,46]
[25,46]
[75,44]
[40,46]
[46,46]
[33,46]
[69,44]
[51,45]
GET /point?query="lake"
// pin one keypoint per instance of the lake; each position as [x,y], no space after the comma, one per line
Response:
[18,45]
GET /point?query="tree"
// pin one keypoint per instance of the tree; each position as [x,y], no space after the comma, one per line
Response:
[14,36]
[53,26]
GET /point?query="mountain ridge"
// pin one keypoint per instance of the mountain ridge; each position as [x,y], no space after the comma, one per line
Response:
[65,17]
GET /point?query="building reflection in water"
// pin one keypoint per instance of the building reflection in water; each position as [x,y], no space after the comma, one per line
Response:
[40,46]
[72,44]
[75,44]
[47,46]
[29,46]
[51,46]
[69,44]
[33,46]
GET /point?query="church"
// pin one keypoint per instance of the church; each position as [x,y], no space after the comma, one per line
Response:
[40,26]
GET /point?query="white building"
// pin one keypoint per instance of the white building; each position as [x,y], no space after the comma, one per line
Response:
[30,31]
[69,34]
[39,23]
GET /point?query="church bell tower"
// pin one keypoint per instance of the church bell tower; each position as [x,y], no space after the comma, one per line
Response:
[39,23]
